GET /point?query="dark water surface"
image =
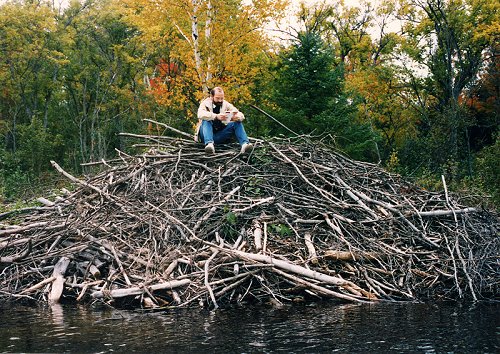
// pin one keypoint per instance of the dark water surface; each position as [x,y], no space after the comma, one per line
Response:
[383,328]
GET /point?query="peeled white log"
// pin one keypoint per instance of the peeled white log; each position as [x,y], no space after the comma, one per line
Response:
[285,265]
[264,246]
[310,248]
[96,273]
[45,201]
[58,283]
[257,235]
[149,303]
[139,290]
[446,212]
[170,269]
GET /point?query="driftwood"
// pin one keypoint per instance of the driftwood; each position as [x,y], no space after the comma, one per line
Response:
[292,221]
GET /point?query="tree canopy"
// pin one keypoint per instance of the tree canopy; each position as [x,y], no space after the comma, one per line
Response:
[410,84]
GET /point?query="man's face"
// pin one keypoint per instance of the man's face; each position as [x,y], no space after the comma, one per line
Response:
[218,98]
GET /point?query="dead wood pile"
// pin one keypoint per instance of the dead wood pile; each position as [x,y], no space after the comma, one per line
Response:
[292,221]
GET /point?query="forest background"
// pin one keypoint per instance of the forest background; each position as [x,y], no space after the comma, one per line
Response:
[410,84]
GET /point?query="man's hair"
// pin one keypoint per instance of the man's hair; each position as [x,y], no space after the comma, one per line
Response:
[216,89]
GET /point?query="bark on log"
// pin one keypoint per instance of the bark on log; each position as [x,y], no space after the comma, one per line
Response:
[17,257]
[351,256]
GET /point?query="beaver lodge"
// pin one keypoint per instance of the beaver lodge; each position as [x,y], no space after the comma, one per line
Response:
[292,221]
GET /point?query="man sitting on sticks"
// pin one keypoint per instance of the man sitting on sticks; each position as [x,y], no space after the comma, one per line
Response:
[219,121]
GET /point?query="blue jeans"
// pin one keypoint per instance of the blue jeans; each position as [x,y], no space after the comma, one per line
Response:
[235,129]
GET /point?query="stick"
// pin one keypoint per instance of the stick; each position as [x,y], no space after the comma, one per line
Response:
[38,285]
[17,257]
[21,229]
[190,136]
[207,283]
[73,178]
[259,202]
[274,119]
[212,209]
[350,256]
[120,266]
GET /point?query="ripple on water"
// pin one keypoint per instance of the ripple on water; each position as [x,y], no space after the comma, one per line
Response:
[322,327]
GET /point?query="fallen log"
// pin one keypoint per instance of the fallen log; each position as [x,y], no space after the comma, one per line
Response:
[132,291]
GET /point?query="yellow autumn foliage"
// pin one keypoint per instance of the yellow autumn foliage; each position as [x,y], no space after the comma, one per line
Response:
[206,43]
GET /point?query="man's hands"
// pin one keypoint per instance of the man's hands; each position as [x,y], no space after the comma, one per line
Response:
[227,117]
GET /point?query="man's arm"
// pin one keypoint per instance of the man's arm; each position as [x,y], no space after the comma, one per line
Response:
[239,116]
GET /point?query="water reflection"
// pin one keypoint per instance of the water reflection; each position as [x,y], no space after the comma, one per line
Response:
[397,328]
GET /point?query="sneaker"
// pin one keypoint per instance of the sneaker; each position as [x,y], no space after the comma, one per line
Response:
[209,148]
[246,147]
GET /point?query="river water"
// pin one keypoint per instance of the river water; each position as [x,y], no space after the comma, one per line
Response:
[321,327]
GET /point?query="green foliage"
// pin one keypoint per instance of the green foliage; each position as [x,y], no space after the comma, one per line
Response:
[36,147]
[229,229]
[449,40]
[253,188]
[70,82]
[429,180]
[101,82]
[488,164]
[307,81]
[20,186]
[231,218]
[309,93]
[280,229]
[14,184]
[354,138]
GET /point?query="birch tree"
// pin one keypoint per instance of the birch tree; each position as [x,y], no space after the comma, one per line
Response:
[211,42]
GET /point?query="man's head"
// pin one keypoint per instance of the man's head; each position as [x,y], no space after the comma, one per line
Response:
[217,94]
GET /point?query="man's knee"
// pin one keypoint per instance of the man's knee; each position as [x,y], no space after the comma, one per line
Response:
[234,125]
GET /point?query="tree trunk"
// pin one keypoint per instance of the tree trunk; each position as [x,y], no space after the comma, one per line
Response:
[196,45]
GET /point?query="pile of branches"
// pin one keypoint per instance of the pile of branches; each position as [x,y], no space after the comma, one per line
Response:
[291,221]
